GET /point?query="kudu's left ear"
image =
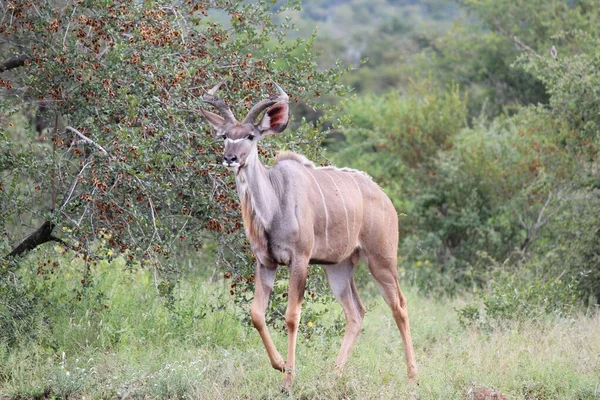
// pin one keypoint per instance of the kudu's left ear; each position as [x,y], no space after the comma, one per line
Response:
[275,119]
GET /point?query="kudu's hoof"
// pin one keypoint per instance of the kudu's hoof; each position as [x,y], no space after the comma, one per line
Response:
[339,371]
[288,380]
[413,376]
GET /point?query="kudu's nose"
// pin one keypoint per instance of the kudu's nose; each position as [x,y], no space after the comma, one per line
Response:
[230,159]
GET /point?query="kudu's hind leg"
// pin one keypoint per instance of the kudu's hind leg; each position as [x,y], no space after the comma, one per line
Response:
[341,280]
[385,273]
[265,277]
[298,276]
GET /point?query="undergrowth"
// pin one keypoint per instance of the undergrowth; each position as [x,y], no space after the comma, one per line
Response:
[117,336]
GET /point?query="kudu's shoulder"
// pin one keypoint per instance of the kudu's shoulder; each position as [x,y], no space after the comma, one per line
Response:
[290,155]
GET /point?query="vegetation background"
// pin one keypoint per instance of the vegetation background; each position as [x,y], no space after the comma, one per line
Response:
[125,272]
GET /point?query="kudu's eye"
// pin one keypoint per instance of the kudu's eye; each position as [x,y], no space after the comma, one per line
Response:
[250,137]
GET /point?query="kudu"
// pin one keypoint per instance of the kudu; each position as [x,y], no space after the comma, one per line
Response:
[296,214]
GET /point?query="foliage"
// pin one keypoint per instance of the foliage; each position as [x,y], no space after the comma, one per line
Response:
[379,38]
[490,182]
[572,81]
[492,86]
[571,77]
[509,28]
[399,134]
[125,154]
[536,22]
[510,194]
[569,248]
[526,294]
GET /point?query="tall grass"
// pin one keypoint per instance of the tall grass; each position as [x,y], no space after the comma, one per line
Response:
[122,339]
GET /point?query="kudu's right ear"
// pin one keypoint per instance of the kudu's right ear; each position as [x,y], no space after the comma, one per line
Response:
[215,120]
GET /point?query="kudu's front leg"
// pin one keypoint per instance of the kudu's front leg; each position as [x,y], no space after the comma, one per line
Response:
[298,275]
[265,277]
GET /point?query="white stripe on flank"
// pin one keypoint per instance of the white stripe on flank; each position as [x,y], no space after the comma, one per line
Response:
[324,207]
[362,202]
[353,211]
[371,210]
[343,205]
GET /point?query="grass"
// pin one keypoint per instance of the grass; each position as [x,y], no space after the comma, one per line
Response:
[120,341]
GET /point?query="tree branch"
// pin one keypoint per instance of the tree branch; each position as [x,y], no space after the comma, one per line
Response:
[87,139]
[44,235]
[39,237]
[14,62]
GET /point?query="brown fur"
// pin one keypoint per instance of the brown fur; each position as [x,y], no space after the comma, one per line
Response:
[254,229]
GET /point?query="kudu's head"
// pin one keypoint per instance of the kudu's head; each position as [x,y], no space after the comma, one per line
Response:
[241,138]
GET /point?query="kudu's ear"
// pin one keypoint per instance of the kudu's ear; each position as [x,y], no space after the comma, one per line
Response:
[215,120]
[275,119]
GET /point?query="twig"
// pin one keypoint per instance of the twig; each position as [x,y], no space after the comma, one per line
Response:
[103,52]
[36,10]
[523,224]
[53,170]
[187,219]
[73,185]
[68,26]
[178,18]
[539,223]
[155,233]
[86,208]
[87,139]
[523,45]
[514,38]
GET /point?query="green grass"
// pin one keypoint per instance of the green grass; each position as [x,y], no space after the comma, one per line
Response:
[120,341]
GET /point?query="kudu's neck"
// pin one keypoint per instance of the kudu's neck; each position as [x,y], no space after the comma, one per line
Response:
[256,190]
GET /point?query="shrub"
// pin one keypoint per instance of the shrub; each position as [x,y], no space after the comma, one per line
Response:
[481,188]
[520,294]
[124,152]
[398,136]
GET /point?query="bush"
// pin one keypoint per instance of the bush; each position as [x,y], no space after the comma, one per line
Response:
[570,245]
[398,136]
[124,151]
[520,294]
[489,181]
